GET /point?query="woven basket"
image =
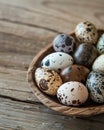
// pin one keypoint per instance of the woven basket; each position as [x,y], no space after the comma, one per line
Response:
[88,109]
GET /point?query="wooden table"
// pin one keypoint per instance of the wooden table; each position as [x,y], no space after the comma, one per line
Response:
[26,26]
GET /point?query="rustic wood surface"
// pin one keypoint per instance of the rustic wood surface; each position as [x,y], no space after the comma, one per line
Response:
[26,26]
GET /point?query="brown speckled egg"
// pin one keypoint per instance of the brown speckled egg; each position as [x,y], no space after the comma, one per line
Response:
[75,73]
[47,80]
[85,54]
[72,93]
[86,32]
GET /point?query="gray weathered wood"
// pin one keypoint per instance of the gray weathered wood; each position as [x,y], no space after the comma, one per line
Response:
[16,115]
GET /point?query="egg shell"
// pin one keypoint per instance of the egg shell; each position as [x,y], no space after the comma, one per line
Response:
[85,54]
[98,64]
[74,73]
[95,84]
[47,80]
[57,61]
[100,44]
[72,93]
[86,32]
[64,43]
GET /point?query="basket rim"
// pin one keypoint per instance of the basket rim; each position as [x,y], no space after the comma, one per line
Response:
[65,110]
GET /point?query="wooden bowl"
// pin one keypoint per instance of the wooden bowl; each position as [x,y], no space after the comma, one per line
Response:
[88,109]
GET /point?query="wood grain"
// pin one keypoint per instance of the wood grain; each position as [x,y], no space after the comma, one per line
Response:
[16,115]
[26,26]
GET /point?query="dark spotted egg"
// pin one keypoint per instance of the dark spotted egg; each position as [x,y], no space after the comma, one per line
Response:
[64,43]
[75,73]
[72,93]
[57,61]
[47,80]
[86,32]
[95,85]
[85,54]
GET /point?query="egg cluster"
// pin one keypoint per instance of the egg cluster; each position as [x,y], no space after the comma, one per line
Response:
[74,72]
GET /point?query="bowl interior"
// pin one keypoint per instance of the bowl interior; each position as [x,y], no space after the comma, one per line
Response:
[88,109]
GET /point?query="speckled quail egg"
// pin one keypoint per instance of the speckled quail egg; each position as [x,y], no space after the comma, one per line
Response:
[86,32]
[85,54]
[98,64]
[100,44]
[64,43]
[72,93]
[47,80]
[57,61]
[74,73]
[95,84]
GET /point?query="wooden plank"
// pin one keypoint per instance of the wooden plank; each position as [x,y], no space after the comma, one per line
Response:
[13,84]
[51,15]
[16,44]
[25,31]
[24,116]
[18,52]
